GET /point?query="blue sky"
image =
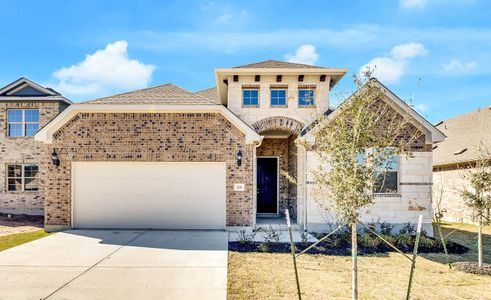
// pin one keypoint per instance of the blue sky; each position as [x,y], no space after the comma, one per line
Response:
[434,53]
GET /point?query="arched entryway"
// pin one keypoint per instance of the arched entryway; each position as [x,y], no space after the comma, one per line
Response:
[276,168]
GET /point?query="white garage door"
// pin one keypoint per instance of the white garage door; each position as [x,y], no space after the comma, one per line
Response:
[148,195]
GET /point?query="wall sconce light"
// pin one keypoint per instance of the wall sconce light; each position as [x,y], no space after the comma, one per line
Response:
[54,158]
[239,158]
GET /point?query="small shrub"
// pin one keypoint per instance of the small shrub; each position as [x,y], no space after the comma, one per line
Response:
[403,240]
[245,238]
[408,229]
[372,226]
[386,228]
[304,237]
[263,247]
[272,236]
[370,241]
[426,242]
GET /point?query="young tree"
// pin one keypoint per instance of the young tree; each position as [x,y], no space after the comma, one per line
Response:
[355,144]
[478,197]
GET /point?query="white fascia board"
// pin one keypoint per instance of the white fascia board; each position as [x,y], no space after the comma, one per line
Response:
[26,82]
[46,133]
[284,71]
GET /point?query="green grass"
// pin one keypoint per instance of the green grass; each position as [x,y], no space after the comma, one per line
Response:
[13,240]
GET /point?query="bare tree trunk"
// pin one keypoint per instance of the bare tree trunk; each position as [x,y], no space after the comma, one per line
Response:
[479,244]
[354,257]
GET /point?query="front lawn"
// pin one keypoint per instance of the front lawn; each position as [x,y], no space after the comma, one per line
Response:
[381,276]
[13,240]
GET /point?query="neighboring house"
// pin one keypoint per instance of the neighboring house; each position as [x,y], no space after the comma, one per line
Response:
[24,108]
[163,157]
[456,157]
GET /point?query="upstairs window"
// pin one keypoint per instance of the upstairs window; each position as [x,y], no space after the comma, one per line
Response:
[250,97]
[387,177]
[278,98]
[22,122]
[306,97]
[22,177]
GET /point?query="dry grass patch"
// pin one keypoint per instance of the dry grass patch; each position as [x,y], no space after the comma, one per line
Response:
[270,276]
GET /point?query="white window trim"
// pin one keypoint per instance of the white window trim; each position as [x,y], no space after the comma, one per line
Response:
[271,98]
[314,97]
[23,122]
[258,98]
[23,178]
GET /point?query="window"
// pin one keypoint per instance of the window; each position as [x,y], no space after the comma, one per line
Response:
[306,97]
[22,122]
[22,178]
[250,97]
[278,97]
[386,181]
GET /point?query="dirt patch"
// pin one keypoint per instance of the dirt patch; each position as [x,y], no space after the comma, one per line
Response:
[472,267]
[19,223]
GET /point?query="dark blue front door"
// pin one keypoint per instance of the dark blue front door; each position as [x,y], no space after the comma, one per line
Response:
[267,185]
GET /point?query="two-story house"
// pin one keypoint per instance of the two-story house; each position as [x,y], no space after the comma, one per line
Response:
[24,108]
[163,157]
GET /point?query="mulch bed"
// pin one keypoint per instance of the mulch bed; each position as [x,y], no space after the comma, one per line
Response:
[342,246]
[472,267]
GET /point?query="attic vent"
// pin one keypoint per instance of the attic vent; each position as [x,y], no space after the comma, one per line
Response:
[460,151]
[300,78]
[236,78]
[323,78]
[257,78]
[278,78]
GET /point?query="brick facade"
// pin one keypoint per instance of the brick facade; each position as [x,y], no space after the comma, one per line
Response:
[145,137]
[24,150]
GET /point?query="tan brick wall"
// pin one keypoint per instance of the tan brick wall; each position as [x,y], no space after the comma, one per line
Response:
[23,150]
[160,137]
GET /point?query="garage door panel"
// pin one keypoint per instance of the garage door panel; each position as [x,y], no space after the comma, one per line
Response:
[149,195]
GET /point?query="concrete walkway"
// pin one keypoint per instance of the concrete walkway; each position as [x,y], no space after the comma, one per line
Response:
[117,264]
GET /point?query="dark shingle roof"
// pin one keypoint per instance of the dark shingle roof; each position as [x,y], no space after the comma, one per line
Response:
[465,131]
[162,94]
[210,94]
[273,64]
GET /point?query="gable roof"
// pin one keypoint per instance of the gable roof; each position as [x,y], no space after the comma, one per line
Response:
[162,94]
[25,89]
[464,135]
[432,134]
[210,93]
[274,64]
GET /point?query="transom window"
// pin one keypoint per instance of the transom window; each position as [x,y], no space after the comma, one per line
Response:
[250,97]
[22,122]
[306,97]
[22,177]
[278,97]
[386,181]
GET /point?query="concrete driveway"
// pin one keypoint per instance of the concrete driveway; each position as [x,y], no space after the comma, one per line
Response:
[117,264]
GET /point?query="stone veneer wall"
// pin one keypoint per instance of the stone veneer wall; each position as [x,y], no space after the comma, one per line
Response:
[452,181]
[183,137]
[24,150]
[292,170]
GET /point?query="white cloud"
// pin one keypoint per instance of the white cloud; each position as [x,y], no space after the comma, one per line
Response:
[391,68]
[457,66]
[421,107]
[104,71]
[305,54]
[408,51]
[410,4]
